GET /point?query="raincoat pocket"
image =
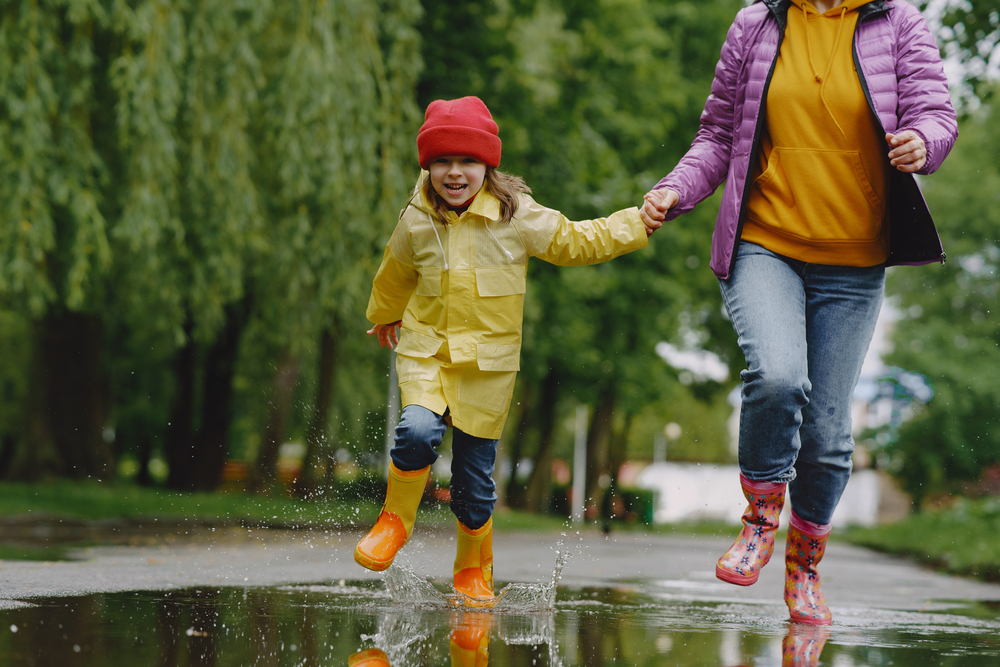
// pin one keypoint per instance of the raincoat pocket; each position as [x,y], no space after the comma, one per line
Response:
[501,281]
[498,357]
[429,281]
[413,344]
[486,389]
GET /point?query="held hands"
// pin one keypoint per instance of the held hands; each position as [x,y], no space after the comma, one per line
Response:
[655,206]
[388,334]
[909,153]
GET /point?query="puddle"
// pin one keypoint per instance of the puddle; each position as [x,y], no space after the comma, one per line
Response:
[412,622]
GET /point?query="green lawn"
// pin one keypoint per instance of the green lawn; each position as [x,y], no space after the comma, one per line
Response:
[88,501]
[962,539]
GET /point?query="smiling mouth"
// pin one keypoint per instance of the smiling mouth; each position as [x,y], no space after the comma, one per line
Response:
[455,188]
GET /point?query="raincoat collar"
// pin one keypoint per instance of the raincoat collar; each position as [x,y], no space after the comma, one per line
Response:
[485,205]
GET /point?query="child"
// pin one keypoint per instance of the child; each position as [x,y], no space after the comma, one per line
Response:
[454,276]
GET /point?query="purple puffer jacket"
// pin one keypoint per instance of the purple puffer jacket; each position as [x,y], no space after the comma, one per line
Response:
[901,72]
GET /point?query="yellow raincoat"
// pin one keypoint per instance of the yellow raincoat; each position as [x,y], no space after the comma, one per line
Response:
[459,290]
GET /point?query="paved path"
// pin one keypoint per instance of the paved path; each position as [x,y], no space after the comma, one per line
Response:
[682,567]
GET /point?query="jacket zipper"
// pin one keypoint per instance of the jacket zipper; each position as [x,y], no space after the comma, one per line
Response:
[881,9]
[755,146]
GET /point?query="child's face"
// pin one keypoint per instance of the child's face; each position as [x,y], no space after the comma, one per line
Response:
[457,178]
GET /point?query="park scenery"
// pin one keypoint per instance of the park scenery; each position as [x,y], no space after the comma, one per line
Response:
[195,198]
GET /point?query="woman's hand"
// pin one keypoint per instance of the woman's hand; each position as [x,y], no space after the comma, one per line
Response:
[909,153]
[655,206]
[388,334]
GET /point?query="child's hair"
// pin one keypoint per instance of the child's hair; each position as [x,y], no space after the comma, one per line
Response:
[501,185]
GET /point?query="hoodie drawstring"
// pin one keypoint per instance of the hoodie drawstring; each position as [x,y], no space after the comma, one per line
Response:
[822,80]
[441,245]
[505,251]
[438,237]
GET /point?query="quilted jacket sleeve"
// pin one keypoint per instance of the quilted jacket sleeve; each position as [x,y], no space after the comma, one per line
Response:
[705,166]
[924,104]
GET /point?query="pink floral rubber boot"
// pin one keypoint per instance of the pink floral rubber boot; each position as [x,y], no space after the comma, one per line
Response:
[803,645]
[753,548]
[804,550]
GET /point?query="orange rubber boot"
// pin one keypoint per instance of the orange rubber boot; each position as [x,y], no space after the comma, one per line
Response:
[373,657]
[395,523]
[474,561]
[469,644]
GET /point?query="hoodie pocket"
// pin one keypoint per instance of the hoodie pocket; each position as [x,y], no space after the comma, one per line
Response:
[817,194]
[429,281]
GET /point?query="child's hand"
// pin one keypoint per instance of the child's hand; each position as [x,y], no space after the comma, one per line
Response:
[655,207]
[909,152]
[388,334]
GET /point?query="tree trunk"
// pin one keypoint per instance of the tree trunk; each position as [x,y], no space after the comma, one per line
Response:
[180,437]
[265,473]
[617,453]
[65,405]
[597,447]
[540,482]
[516,492]
[143,477]
[317,447]
[217,398]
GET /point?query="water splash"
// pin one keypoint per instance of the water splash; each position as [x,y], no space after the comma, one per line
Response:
[407,588]
[402,635]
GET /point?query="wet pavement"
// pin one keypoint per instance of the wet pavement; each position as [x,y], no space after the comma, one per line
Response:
[233,596]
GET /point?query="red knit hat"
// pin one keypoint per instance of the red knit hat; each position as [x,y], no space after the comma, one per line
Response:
[458,127]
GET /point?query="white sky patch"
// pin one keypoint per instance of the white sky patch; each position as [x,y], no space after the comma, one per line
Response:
[702,364]
[987,62]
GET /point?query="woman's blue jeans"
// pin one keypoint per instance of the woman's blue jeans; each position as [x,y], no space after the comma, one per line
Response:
[804,329]
[473,491]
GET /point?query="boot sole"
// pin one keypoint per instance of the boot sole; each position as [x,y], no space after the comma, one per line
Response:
[370,563]
[733,578]
[809,621]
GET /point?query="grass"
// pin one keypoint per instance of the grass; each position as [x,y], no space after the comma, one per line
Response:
[93,501]
[961,539]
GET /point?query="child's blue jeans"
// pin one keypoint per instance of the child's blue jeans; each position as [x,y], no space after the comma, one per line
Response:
[804,329]
[473,491]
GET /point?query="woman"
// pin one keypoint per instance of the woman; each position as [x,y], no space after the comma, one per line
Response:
[820,114]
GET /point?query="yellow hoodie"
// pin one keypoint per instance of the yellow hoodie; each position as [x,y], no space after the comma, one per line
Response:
[459,290]
[819,186]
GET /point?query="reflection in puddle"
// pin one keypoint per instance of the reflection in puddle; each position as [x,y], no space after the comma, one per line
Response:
[645,623]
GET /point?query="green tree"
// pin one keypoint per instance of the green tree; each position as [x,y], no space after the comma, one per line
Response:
[950,331]
[54,247]
[336,150]
[176,176]
[971,31]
